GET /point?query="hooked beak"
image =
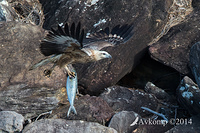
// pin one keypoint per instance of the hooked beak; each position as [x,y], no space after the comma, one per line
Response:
[109,56]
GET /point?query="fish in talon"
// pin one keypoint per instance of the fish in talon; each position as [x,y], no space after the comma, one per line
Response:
[72,87]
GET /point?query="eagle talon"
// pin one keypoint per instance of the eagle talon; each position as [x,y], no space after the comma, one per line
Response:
[47,73]
[72,74]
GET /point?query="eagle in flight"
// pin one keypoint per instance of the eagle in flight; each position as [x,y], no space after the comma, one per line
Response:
[68,45]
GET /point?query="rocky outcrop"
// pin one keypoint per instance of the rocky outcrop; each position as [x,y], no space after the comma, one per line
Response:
[173,48]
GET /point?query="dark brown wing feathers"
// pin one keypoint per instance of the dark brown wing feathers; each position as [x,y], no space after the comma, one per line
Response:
[57,41]
[116,36]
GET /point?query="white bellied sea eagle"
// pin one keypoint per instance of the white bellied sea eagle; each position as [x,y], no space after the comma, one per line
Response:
[68,45]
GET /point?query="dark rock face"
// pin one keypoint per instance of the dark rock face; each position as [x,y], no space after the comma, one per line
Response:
[122,98]
[189,96]
[151,70]
[144,16]
[173,49]
[195,61]
[90,108]
[63,126]
[122,121]
[19,50]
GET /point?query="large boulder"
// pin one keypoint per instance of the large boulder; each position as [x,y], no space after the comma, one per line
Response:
[173,48]
[18,52]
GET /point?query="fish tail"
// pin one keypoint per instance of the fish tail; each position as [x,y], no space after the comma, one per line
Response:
[71,108]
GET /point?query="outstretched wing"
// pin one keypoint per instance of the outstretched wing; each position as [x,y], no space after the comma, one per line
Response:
[60,40]
[105,38]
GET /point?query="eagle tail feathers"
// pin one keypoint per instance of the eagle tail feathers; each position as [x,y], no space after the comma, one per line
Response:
[53,58]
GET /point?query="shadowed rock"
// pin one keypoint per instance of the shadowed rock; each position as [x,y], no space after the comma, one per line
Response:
[122,98]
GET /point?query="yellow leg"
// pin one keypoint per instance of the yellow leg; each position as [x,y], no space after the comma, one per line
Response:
[70,73]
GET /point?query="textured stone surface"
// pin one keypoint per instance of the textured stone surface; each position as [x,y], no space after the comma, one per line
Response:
[11,121]
[63,126]
[122,98]
[122,121]
[89,108]
[173,48]
[19,50]
[188,94]
[30,102]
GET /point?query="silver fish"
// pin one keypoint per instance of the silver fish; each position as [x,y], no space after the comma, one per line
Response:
[72,88]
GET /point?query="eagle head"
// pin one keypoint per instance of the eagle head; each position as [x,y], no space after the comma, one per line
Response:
[98,55]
